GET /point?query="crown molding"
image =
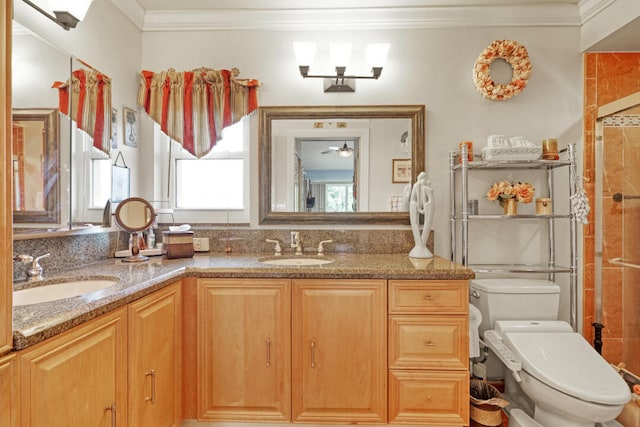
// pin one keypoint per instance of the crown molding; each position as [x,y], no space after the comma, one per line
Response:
[591,8]
[362,18]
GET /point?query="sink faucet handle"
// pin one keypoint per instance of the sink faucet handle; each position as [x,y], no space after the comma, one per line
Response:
[321,247]
[278,248]
[47,255]
[23,258]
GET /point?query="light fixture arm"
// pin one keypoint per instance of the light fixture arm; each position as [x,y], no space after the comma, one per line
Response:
[304,72]
[63,19]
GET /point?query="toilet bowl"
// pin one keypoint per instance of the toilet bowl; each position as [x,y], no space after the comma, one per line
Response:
[570,384]
[552,373]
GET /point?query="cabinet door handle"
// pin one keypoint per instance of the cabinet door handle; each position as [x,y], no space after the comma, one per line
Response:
[268,353]
[112,408]
[429,343]
[313,354]
[428,297]
[152,374]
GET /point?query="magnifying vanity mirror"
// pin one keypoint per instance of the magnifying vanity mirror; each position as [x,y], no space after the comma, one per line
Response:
[339,164]
[135,215]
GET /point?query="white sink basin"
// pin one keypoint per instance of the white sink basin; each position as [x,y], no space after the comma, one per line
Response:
[296,260]
[62,290]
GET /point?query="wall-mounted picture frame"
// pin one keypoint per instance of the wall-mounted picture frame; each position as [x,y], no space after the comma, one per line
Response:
[129,122]
[114,128]
[120,180]
[400,171]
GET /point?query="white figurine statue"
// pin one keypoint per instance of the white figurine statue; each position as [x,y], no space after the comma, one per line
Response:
[421,203]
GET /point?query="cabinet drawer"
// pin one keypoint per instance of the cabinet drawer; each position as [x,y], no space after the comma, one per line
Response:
[422,342]
[423,397]
[428,296]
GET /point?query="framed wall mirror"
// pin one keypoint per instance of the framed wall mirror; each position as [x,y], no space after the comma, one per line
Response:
[339,164]
[36,166]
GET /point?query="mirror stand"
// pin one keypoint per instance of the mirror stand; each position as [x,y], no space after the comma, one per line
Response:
[135,249]
[135,215]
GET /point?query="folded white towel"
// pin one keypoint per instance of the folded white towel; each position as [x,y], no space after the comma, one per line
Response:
[183,227]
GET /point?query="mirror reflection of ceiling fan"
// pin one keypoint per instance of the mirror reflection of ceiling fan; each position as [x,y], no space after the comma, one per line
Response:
[344,151]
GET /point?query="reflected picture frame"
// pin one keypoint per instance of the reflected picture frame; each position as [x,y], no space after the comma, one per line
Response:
[129,124]
[400,171]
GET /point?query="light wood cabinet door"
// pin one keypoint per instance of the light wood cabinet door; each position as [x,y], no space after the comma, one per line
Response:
[78,378]
[339,351]
[244,349]
[9,403]
[155,359]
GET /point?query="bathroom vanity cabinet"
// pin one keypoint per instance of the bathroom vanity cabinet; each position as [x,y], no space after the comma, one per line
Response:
[349,357]
[283,350]
[244,349]
[78,378]
[428,352]
[91,376]
[462,219]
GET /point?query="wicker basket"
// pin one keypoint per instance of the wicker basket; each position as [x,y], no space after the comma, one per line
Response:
[486,404]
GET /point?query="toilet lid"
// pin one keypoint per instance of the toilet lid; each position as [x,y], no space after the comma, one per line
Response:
[566,362]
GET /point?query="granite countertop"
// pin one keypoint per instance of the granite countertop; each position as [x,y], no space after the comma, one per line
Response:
[36,322]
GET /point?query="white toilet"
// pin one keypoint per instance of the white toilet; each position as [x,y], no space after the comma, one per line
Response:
[552,374]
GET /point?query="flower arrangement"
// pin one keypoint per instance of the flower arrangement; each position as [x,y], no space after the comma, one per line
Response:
[502,190]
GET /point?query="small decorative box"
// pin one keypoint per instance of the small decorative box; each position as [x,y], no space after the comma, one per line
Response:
[177,244]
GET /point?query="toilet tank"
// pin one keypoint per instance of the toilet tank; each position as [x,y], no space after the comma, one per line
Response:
[514,299]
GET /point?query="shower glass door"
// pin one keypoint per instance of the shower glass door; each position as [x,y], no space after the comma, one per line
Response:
[618,236]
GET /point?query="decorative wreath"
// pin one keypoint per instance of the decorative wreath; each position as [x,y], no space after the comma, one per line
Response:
[512,52]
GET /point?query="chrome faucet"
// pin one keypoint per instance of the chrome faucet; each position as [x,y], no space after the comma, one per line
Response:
[35,272]
[296,242]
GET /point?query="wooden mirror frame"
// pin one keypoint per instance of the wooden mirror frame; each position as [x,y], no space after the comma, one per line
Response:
[266,116]
[50,164]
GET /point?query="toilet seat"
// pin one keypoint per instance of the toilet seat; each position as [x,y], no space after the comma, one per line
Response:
[566,362]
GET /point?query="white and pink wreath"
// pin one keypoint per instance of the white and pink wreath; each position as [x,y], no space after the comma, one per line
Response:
[512,52]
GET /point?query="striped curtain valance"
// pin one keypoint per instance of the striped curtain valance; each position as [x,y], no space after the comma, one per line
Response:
[193,107]
[89,96]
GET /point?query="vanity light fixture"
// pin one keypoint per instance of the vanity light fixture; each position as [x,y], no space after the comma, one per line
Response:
[340,56]
[67,12]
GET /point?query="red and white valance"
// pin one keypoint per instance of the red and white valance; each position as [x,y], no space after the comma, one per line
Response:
[193,107]
[90,96]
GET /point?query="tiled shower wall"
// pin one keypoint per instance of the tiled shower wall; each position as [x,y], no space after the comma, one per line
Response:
[608,77]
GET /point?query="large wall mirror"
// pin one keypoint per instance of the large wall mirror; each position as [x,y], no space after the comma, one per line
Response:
[339,164]
[41,134]
[61,181]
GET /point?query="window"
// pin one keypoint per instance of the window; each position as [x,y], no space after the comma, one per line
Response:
[214,188]
[339,197]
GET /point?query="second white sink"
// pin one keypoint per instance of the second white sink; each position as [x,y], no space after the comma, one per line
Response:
[296,260]
[61,290]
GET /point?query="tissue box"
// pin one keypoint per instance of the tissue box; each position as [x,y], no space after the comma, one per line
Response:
[177,244]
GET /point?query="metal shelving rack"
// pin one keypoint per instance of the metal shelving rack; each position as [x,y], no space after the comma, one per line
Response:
[464,167]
